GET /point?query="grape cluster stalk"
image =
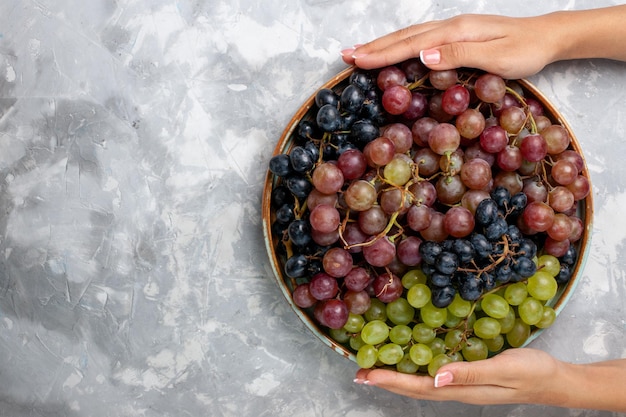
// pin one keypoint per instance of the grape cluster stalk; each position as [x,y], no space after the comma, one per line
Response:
[426,217]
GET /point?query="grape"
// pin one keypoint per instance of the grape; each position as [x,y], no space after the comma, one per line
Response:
[328,118]
[442,80]
[470,123]
[490,88]
[407,251]
[547,318]
[397,171]
[337,262]
[352,164]
[444,138]
[351,99]
[530,310]
[459,222]
[564,172]
[517,336]
[375,332]
[377,311]
[427,161]
[418,295]
[400,135]
[459,307]
[437,362]
[423,333]
[455,99]
[495,306]
[334,313]
[390,76]
[487,328]
[280,165]
[379,152]
[515,293]
[496,344]
[417,107]
[476,174]
[433,316]
[390,354]
[300,159]
[538,216]
[360,195]
[396,99]
[355,323]
[475,349]
[400,334]
[358,302]
[399,311]
[510,158]
[387,287]
[542,286]
[421,354]
[366,356]
[302,296]
[533,147]
[494,139]
[357,279]
[380,252]
[507,323]
[512,119]
[557,139]
[324,218]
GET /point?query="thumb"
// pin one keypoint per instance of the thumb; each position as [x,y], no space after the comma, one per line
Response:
[460,54]
[466,373]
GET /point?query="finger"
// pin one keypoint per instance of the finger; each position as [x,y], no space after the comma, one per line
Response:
[483,372]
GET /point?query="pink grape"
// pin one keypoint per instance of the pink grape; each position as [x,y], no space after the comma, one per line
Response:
[561,227]
[379,251]
[421,129]
[387,287]
[458,222]
[564,172]
[333,313]
[534,147]
[435,230]
[324,218]
[302,296]
[379,152]
[538,216]
[327,178]
[390,76]
[494,139]
[470,123]
[357,279]
[400,135]
[424,193]
[358,302]
[418,217]
[476,174]
[352,164]
[490,88]
[323,286]
[455,99]
[315,198]
[353,237]
[557,139]
[510,158]
[396,99]
[442,80]
[580,187]
[444,138]
[450,189]
[373,220]
[560,198]
[408,251]
[360,195]
[337,262]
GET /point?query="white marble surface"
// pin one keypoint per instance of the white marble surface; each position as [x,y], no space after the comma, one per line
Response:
[134,139]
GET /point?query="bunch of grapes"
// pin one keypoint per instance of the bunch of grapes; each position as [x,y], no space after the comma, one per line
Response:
[427,216]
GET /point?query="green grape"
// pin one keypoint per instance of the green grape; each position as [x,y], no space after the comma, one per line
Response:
[487,327]
[437,362]
[377,311]
[423,333]
[433,316]
[421,354]
[397,171]
[437,346]
[455,339]
[547,318]
[530,311]
[455,356]
[400,311]
[406,365]
[413,277]
[495,306]
[495,344]
[418,295]
[340,335]
[375,332]
[356,342]
[519,334]
[475,349]
[355,323]
[452,321]
[400,334]
[390,354]
[459,307]
[367,356]
[516,293]
[549,264]
[507,323]
[542,286]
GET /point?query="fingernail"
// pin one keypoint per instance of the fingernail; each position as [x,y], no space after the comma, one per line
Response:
[443,379]
[358,45]
[361,381]
[347,52]
[430,56]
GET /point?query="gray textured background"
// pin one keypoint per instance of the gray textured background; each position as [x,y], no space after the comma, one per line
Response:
[134,140]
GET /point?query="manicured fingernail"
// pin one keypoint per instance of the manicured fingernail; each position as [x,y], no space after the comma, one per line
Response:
[347,52]
[358,45]
[443,379]
[361,381]
[430,56]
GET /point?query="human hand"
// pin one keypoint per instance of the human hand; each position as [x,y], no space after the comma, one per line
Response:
[521,375]
[506,46]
